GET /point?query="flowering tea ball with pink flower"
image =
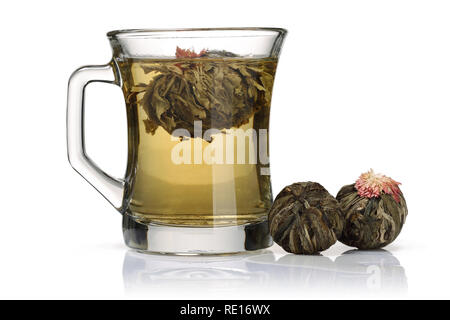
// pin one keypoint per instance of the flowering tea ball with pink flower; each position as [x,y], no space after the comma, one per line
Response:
[374,211]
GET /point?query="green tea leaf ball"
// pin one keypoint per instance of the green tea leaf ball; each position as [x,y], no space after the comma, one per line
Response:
[305,218]
[374,211]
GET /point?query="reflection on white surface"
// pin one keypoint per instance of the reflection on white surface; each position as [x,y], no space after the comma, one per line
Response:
[358,272]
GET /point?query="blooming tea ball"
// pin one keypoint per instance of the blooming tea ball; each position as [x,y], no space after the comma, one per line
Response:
[374,211]
[305,218]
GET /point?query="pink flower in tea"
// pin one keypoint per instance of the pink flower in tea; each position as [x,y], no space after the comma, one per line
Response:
[186,53]
[371,185]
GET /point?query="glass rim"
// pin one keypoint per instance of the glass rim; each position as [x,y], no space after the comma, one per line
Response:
[172,32]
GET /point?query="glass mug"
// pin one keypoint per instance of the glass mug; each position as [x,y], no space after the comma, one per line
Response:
[198,103]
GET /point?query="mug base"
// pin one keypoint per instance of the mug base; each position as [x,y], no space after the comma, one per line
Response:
[180,240]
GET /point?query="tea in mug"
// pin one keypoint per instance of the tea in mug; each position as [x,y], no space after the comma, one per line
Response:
[198,139]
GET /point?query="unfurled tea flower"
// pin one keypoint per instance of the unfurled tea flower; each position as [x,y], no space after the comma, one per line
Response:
[218,88]
[374,211]
[305,218]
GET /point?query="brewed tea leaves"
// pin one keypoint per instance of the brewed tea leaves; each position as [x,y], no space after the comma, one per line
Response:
[219,92]
[374,211]
[305,218]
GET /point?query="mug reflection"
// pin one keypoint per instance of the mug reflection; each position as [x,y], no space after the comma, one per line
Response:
[184,273]
[362,272]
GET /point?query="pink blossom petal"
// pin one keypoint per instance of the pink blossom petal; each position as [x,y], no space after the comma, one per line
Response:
[371,185]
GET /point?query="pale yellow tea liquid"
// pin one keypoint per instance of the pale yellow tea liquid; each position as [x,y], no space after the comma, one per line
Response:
[190,181]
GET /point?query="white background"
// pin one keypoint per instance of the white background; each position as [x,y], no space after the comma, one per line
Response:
[360,84]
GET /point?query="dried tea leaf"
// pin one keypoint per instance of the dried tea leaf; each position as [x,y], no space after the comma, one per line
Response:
[305,218]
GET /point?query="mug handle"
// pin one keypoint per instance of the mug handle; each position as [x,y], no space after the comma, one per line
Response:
[111,188]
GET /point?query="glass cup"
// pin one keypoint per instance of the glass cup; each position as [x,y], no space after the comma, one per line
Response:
[198,105]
